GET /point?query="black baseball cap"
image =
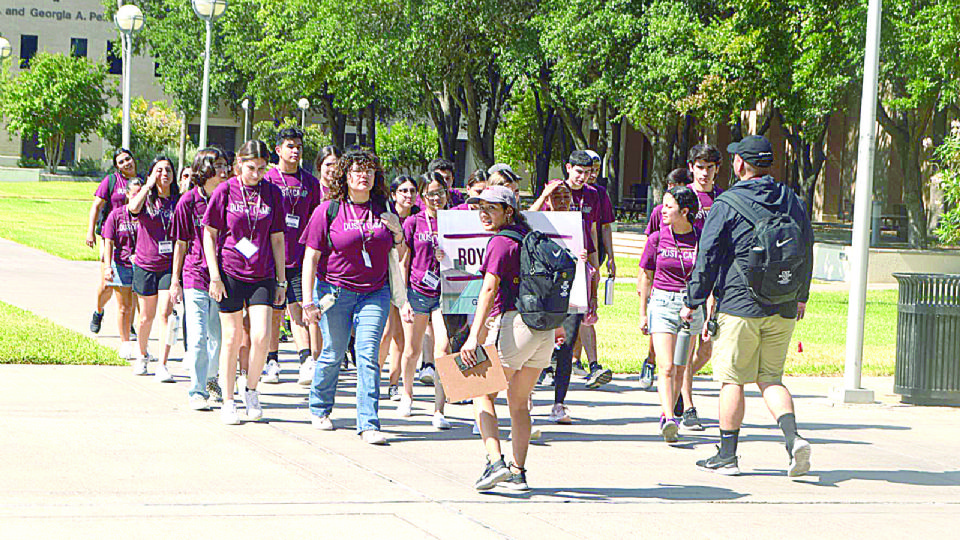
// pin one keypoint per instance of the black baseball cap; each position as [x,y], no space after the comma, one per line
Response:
[755,150]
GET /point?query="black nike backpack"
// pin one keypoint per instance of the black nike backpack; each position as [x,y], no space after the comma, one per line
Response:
[772,270]
[546,279]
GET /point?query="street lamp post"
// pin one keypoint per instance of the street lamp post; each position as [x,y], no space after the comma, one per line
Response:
[304,104]
[129,19]
[208,11]
[247,105]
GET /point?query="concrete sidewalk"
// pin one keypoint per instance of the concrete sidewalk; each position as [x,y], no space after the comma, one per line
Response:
[94,452]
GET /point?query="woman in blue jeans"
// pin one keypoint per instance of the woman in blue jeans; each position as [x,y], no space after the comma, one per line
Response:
[191,280]
[348,241]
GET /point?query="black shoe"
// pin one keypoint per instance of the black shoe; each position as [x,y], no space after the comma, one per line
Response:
[691,420]
[598,376]
[96,321]
[493,474]
[720,465]
[547,377]
[517,481]
[678,407]
[133,332]
[393,392]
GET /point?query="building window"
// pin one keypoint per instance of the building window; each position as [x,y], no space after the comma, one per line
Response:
[28,49]
[115,57]
[78,47]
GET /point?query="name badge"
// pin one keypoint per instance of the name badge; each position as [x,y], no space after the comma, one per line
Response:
[366,259]
[293,221]
[431,280]
[166,247]
[246,248]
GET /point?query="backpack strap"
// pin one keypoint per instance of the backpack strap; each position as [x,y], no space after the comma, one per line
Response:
[742,206]
[332,210]
[511,234]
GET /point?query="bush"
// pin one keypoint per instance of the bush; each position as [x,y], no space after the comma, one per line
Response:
[949,153]
[406,148]
[87,167]
[31,163]
[154,127]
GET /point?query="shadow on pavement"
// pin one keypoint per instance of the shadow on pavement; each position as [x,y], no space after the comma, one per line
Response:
[599,494]
[913,478]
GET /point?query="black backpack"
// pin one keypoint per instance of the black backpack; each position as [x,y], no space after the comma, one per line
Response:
[546,279]
[772,269]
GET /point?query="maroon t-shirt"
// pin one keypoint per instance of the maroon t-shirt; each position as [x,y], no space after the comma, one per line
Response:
[420,234]
[355,229]
[671,261]
[605,215]
[251,212]
[301,195]
[188,227]
[706,199]
[502,259]
[121,227]
[156,220]
[116,198]
[587,202]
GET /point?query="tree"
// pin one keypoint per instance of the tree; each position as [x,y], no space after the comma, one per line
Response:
[530,135]
[406,148]
[154,127]
[919,75]
[58,98]
[949,154]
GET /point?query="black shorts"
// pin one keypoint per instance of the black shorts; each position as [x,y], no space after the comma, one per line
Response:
[241,293]
[147,283]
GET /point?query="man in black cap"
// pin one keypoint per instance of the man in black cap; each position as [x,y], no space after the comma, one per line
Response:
[756,255]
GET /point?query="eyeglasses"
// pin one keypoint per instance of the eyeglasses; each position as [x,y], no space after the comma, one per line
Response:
[435,194]
[362,172]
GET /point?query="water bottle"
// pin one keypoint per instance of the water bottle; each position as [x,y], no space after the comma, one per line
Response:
[173,323]
[682,349]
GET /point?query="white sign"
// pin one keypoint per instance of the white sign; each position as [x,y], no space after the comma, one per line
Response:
[464,242]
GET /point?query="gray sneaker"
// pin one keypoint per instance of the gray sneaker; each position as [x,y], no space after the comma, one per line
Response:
[493,474]
[646,376]
[251,401]
[691,420]
[720,465]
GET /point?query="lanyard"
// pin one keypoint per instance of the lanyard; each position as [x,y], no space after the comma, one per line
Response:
[246,203]
[286,187]
[433,241]
[353,215]
[165,219]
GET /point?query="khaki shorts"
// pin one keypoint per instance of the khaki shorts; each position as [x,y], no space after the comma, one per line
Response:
[518,345]
[748,350]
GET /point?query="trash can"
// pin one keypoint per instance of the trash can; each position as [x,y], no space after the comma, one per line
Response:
[928,339]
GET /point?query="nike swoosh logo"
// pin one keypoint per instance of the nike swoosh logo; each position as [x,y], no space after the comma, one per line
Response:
[785,242]
[557,253]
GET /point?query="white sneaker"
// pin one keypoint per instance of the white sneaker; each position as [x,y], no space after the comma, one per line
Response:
[163,374]
[323,423]
[241,385]
[306,372]
[151,358]
[560,414]
[140,366]
[251,401]
[199,403]
[427,375]
[127,350]
[228,413]
[800,458]
[440,421]
[405,406]
[372,436]
[272,375]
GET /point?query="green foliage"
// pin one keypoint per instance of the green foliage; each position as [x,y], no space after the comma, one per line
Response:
[949,153]
[27,162]
[519,137]
[28,339]
[60,97]
[406,148]
[154,129]
[314,136]
[87,167]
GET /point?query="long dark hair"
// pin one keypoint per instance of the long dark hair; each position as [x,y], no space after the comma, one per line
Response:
[155,190]
[204,166]
[686,198]
[365,158]
[325,152]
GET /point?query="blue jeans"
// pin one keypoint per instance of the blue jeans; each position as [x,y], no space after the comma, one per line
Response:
[203,339]
[366,313]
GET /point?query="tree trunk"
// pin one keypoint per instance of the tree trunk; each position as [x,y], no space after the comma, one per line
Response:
[336,120]
[613,162]
[182,143]
[361,137]
[372,124]
[906,130]
[445,113]
[547,122]
[659,138]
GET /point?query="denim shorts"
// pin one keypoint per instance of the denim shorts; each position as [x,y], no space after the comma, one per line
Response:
[663,313]
[422,303]
[122,275]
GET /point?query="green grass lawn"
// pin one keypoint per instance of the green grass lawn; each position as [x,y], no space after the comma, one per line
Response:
[80,191]
[54,226]
[822,332]
[28,339]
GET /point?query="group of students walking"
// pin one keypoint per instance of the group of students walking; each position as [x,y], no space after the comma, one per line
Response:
[355,264]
